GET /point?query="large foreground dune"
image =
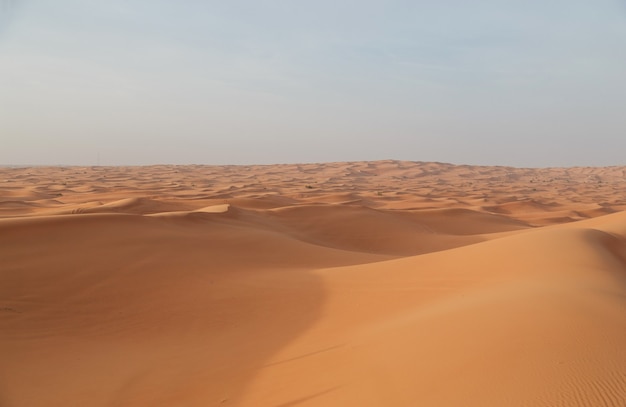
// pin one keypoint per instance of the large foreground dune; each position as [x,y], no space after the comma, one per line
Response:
[346,284]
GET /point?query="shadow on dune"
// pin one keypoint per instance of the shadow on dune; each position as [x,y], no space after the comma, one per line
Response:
[138,311]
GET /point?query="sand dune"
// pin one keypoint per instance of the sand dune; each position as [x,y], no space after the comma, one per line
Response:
[343,284]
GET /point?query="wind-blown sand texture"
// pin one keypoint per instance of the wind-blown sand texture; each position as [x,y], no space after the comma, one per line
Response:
[381,283]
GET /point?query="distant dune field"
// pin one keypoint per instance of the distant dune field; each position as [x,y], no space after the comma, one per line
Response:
[384,283]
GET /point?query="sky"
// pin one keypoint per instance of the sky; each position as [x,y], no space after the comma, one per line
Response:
[137,82]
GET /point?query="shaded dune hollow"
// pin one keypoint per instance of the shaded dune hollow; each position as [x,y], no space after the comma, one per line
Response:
[386,283]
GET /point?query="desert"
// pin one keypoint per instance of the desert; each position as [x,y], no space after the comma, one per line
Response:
[380,283]
[312,204]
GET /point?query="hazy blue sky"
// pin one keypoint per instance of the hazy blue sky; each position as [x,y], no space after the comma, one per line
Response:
[525,83]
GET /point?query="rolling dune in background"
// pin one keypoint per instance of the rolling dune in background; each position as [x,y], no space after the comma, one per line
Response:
[381,283]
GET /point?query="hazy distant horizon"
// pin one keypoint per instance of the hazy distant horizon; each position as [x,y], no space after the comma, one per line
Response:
[144,83]
[521,167]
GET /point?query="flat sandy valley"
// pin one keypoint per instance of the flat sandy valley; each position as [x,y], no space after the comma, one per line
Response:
[384,283]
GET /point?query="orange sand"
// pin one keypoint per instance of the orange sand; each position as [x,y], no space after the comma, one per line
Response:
[346,284]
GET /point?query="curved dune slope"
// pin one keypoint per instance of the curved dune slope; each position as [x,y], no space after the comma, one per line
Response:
[535,319]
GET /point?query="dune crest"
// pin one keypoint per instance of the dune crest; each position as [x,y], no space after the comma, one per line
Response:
[339,284]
